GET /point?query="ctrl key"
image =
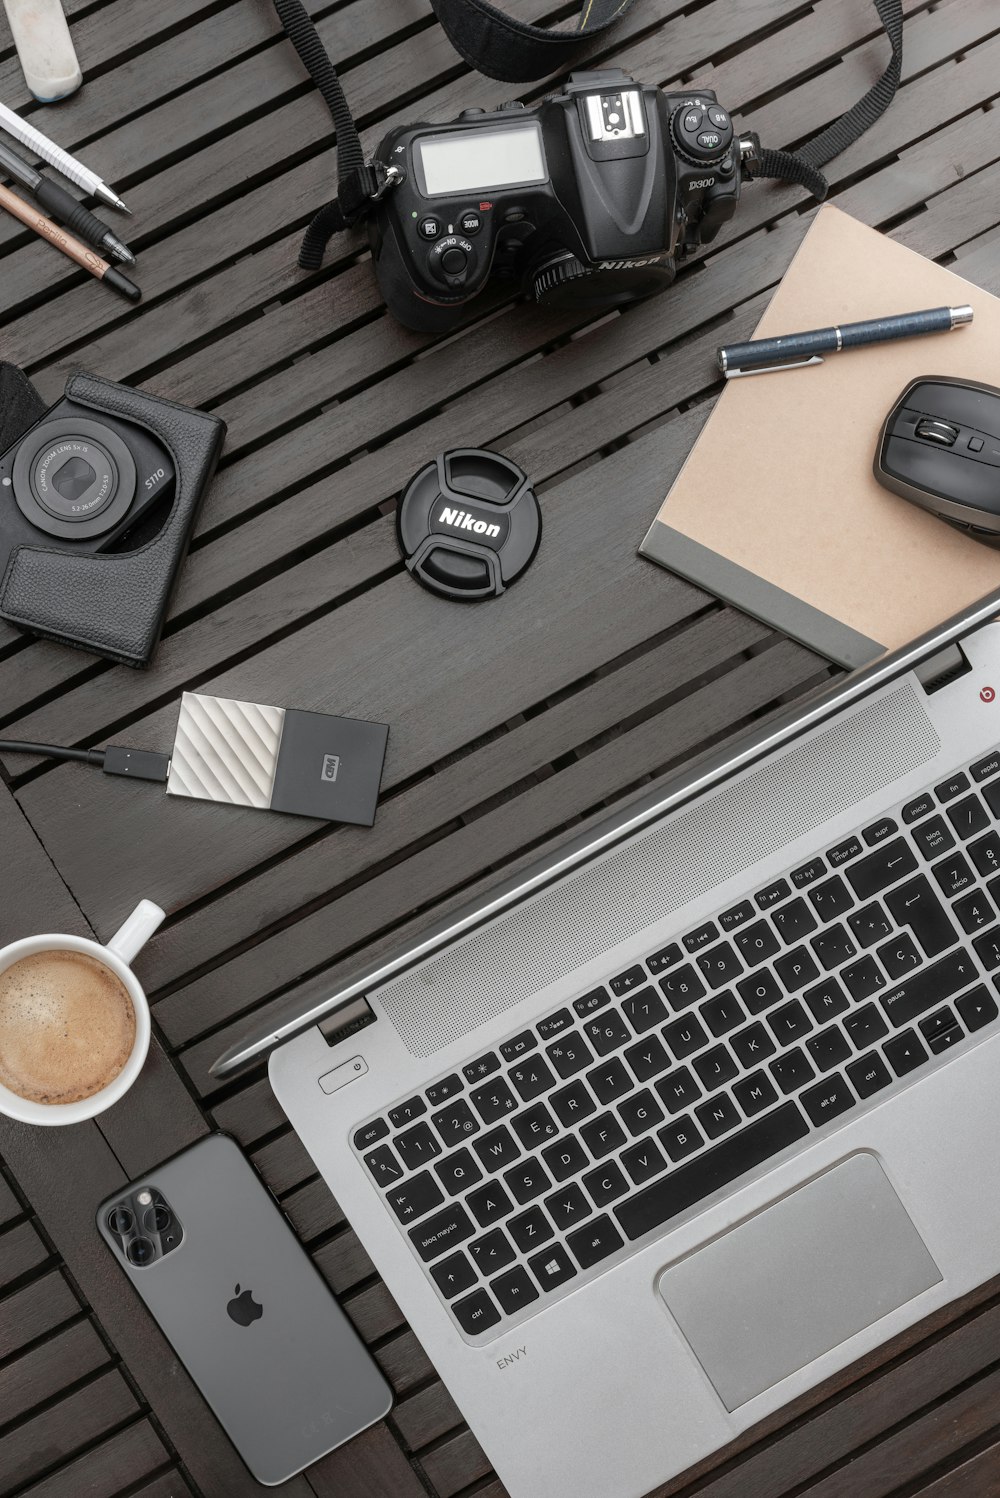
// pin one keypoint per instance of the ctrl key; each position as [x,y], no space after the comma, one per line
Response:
[476,1313]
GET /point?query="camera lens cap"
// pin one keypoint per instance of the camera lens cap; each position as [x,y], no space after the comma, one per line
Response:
[468,523]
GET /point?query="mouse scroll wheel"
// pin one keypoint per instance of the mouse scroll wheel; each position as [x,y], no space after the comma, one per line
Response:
[941,432]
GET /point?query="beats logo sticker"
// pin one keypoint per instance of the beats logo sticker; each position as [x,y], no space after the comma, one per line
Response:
[987,694]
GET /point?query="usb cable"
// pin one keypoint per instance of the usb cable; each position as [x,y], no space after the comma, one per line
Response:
[137,764]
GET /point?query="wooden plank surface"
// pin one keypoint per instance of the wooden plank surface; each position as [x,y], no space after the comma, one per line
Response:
[510,724]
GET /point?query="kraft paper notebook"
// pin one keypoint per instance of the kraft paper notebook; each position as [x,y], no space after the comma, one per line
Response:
[776,509]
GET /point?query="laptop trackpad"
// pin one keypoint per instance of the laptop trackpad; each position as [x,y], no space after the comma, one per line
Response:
[798,1278]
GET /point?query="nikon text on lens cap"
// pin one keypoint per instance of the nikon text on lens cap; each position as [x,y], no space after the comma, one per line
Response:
[468,524]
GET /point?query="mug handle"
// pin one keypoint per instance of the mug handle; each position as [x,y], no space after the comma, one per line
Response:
[137,930]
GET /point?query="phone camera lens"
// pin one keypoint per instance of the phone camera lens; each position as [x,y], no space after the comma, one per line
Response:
[141,1251]
[156,1219]
[119,1220]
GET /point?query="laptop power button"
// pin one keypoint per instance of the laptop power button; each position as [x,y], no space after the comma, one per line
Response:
[347,1071]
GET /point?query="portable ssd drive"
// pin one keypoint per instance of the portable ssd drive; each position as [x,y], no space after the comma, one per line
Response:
[277,759]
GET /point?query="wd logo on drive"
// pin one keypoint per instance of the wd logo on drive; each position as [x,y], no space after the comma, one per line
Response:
[331,766]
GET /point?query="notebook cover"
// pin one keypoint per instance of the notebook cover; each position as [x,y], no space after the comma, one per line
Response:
[776,509]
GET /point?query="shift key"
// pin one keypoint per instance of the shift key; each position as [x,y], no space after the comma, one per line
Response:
[917,905]
[928,988]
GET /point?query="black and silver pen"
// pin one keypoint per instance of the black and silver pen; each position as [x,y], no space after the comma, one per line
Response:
[797,350]
[63,207]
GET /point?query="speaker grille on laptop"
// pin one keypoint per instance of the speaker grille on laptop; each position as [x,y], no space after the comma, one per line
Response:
[656,872]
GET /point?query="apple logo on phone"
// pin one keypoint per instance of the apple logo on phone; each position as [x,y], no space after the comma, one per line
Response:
[243,1308]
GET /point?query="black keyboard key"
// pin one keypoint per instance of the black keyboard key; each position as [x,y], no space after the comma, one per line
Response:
[941,1031]
[643,1161]
[633,977]
[869,1074]
[760,991]
[415,1197]
[666,957]
[695,941]
[718,1115]
[887,865]
[453,1275]
[828,1049]
[794,922]
[567,1206]
[826,1000]
[834,946]
[497,1149]
[863,978]
[682,987]
[647,1059]
[753,1045]
[552,1267]
[899,956]
[985,853]
[644,1009]
[534,1126]
[992,794]
[447,1088]
[417,1146]
[737,915]
[685,1036]
[678,1090]
[870,924]
[607,1032]
[610,1080]
[476,1313]
[595,1242]
[844,852]
[405,1113]
[531,1078]
[716,1068]
[796,969]
[680,1138]
[976,1008]
[555,1024]
[457,1172]
[918,906]
[985,769]
[605,1185]
[757,943]
[514,1290]
[521,1044]
[773,894]
[755,1093]
[880,831]
[530,1229]
[489,1204]
[372,1132]
[953,874]
[567,1157]
[720,965]
[915,995]
[483,1066]
[603,1135]
[789,1023]
[441,1232]
[493,1101]
[865,1026]
[589,1003]
[919,807]
[905,1052]
[828,1100]
[723,1013]
[726,1162]
[494,1251]
[792,1070]
[570,1054]
[987,950]
[572,1104]
[975,911]
[384,1166]
[456,1123]
[968,817]
[952,787]
[527,1180]
[831,898]
[933,837]
[809,872]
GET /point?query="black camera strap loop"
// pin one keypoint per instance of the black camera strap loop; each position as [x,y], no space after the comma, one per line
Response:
[515,51]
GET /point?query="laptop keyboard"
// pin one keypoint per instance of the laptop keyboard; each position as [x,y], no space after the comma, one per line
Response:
[540,1163]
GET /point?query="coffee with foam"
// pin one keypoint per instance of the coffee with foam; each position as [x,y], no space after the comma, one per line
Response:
[67,1026]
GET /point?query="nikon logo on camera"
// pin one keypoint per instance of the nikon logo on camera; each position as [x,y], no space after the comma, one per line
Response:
[463,520]
[631,264]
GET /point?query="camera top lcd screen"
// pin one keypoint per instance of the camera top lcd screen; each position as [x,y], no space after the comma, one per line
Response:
[481,160]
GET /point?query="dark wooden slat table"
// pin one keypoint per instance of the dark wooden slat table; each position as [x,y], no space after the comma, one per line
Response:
[512,723]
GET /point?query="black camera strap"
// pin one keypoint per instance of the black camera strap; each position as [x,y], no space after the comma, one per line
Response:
[518,52]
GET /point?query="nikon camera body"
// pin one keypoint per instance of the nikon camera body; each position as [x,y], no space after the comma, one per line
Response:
[589,199]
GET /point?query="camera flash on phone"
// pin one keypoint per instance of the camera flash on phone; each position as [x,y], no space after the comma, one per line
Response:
[144,1198]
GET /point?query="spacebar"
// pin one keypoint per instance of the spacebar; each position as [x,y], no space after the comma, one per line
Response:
[682,1188]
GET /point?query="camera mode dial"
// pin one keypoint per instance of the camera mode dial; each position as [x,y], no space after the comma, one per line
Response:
[702,132]
[451,260]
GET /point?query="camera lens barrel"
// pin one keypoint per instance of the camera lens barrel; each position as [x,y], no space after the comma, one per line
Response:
[73,478]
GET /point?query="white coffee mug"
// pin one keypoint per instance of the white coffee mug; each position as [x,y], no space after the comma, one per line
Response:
[117,956]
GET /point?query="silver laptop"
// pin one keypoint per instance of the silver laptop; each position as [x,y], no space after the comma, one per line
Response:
[686,1119]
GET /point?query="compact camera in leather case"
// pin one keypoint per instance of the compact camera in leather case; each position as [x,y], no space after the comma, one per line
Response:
[98,498]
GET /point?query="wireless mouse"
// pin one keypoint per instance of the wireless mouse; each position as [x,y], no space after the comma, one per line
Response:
[940,449]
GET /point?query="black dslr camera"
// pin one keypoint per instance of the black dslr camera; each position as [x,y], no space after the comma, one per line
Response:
[588,199]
